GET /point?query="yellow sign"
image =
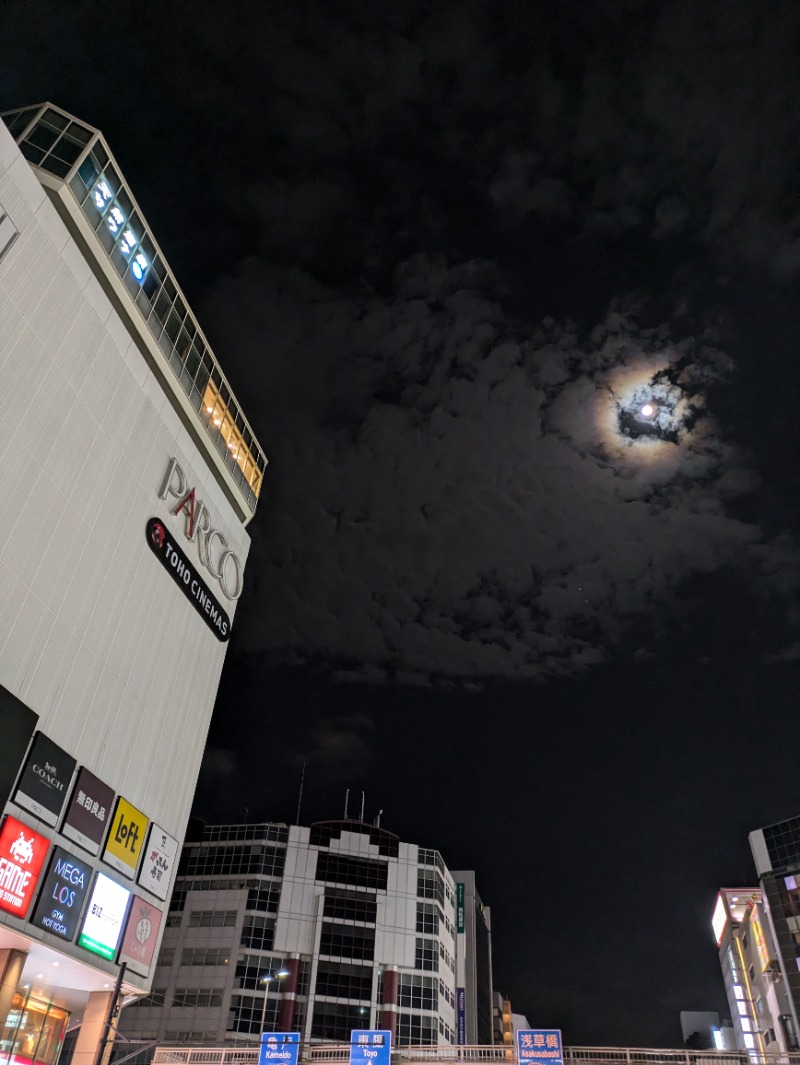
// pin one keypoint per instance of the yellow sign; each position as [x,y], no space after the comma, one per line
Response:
[125,838]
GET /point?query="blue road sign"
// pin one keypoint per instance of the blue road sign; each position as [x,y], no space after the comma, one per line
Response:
[539,1046]
[279,1048]
[370,1047]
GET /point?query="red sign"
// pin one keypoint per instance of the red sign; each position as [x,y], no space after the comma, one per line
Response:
[141,935]
[22,854]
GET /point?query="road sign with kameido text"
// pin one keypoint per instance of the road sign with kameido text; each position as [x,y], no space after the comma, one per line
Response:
[279,1048]
[370,1047]
[540,1046]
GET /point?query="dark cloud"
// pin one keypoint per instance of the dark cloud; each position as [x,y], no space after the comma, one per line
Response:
[461,500]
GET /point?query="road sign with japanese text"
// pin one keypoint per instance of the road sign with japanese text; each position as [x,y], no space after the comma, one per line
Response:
[370,1047]
[540,1046]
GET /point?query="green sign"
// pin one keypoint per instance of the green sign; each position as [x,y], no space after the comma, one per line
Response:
[459,907]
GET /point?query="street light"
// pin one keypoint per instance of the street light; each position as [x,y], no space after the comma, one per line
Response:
[280,975]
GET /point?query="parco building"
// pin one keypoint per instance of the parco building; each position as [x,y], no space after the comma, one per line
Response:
[128,475]
[318,930]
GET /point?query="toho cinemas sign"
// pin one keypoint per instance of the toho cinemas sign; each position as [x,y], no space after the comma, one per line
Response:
[224,565]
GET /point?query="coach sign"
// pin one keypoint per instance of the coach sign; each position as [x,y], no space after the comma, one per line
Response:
[45,779]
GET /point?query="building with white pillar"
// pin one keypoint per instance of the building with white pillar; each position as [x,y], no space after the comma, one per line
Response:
[128,475]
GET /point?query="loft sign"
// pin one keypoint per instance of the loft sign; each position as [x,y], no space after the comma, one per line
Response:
[212,545]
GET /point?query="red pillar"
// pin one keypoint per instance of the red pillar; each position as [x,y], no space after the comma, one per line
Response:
[389,1008]
[288,988]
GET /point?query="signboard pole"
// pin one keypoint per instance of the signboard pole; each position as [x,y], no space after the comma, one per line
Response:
[112,1005]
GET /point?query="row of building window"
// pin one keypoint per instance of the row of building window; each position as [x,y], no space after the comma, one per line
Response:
[345,905]
[340,980]
[417,992]
[238,858]
[335,868]
[213,918]
[196,956]
[185,997]
[347,941]
[220,883]
[229,833]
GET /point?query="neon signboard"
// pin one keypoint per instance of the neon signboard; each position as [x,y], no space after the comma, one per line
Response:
[719,920]
[105,916]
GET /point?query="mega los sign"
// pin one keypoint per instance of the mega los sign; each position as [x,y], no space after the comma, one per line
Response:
[212,545]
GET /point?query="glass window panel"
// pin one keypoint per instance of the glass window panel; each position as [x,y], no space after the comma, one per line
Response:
[56,166]
[32,154]
[42,136]
[79,134]
[68,149]
[54,119]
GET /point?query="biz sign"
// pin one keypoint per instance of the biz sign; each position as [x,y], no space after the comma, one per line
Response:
[104,918]
[539,1045]
[45,779]
[212,546]
[62,895]
[159,859]
[279,1048]
[125,838]
[22,854]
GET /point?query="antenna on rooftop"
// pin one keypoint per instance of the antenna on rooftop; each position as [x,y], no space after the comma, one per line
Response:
[346,800]
[300,796]
[362,807]
[378,819]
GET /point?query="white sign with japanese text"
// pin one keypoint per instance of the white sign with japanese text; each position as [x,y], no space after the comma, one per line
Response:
[159,858]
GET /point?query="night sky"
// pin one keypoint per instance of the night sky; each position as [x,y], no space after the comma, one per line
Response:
[444,252]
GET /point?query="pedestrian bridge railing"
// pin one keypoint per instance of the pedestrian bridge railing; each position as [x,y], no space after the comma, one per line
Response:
[332,1054]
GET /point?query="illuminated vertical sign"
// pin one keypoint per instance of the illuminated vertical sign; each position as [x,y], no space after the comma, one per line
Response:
[761,944]
[461,1016]
[89,811]
[61,898]
[125,838]
[459,907]
[719,920]
[22,854]
[141,936]
[158,862]
[105,916]
[45,779]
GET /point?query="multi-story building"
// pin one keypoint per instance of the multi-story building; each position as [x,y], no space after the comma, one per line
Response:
[128,474]
[318,930]
[753,979]
[776,853]
[474,1012]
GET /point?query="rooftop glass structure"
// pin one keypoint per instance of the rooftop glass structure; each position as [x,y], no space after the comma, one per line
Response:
[77,155]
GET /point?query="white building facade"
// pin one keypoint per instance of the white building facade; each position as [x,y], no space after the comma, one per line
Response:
[128,475]
[353,928]
[754,982]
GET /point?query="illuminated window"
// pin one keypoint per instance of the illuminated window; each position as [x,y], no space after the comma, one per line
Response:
[746,1025]
[749,1042]
[742,1006]
[220,419]
[737,991]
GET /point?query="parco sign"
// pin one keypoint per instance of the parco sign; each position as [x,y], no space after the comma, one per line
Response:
[212,545]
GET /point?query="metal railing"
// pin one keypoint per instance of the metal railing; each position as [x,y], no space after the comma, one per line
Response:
[329,1054]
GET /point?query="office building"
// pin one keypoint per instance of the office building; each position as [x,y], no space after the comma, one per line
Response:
[363,927]
[128,476]
[474,974]
[776,853]
[754,983]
